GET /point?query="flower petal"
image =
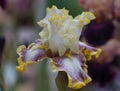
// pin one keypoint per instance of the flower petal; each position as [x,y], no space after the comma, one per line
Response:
[85,18]
[61,31]
[75,68]
[33,54]
[89,51]
[53,23]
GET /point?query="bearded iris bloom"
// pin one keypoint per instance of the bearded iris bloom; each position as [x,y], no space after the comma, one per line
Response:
[59,41]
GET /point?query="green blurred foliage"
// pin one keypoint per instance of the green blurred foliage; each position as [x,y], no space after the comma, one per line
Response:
[71,5]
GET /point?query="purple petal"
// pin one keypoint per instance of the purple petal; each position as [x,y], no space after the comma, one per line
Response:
[32,54]
[75,68]
[89,51]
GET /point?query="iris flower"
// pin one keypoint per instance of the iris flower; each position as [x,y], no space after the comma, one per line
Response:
[59,41]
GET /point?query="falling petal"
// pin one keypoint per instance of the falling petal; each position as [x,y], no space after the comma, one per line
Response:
[89,51]
[33,54]
[75,68]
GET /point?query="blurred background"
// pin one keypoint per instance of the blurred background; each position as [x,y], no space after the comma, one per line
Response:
[18,25]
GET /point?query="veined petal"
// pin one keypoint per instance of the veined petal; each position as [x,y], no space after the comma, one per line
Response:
[75,68]
[89,51]
[33,54]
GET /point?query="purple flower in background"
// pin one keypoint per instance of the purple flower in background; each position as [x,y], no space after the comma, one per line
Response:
[98,34]
[103,9]
[3,4]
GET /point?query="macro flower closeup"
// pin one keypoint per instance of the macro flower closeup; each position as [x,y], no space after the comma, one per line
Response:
[59,42]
